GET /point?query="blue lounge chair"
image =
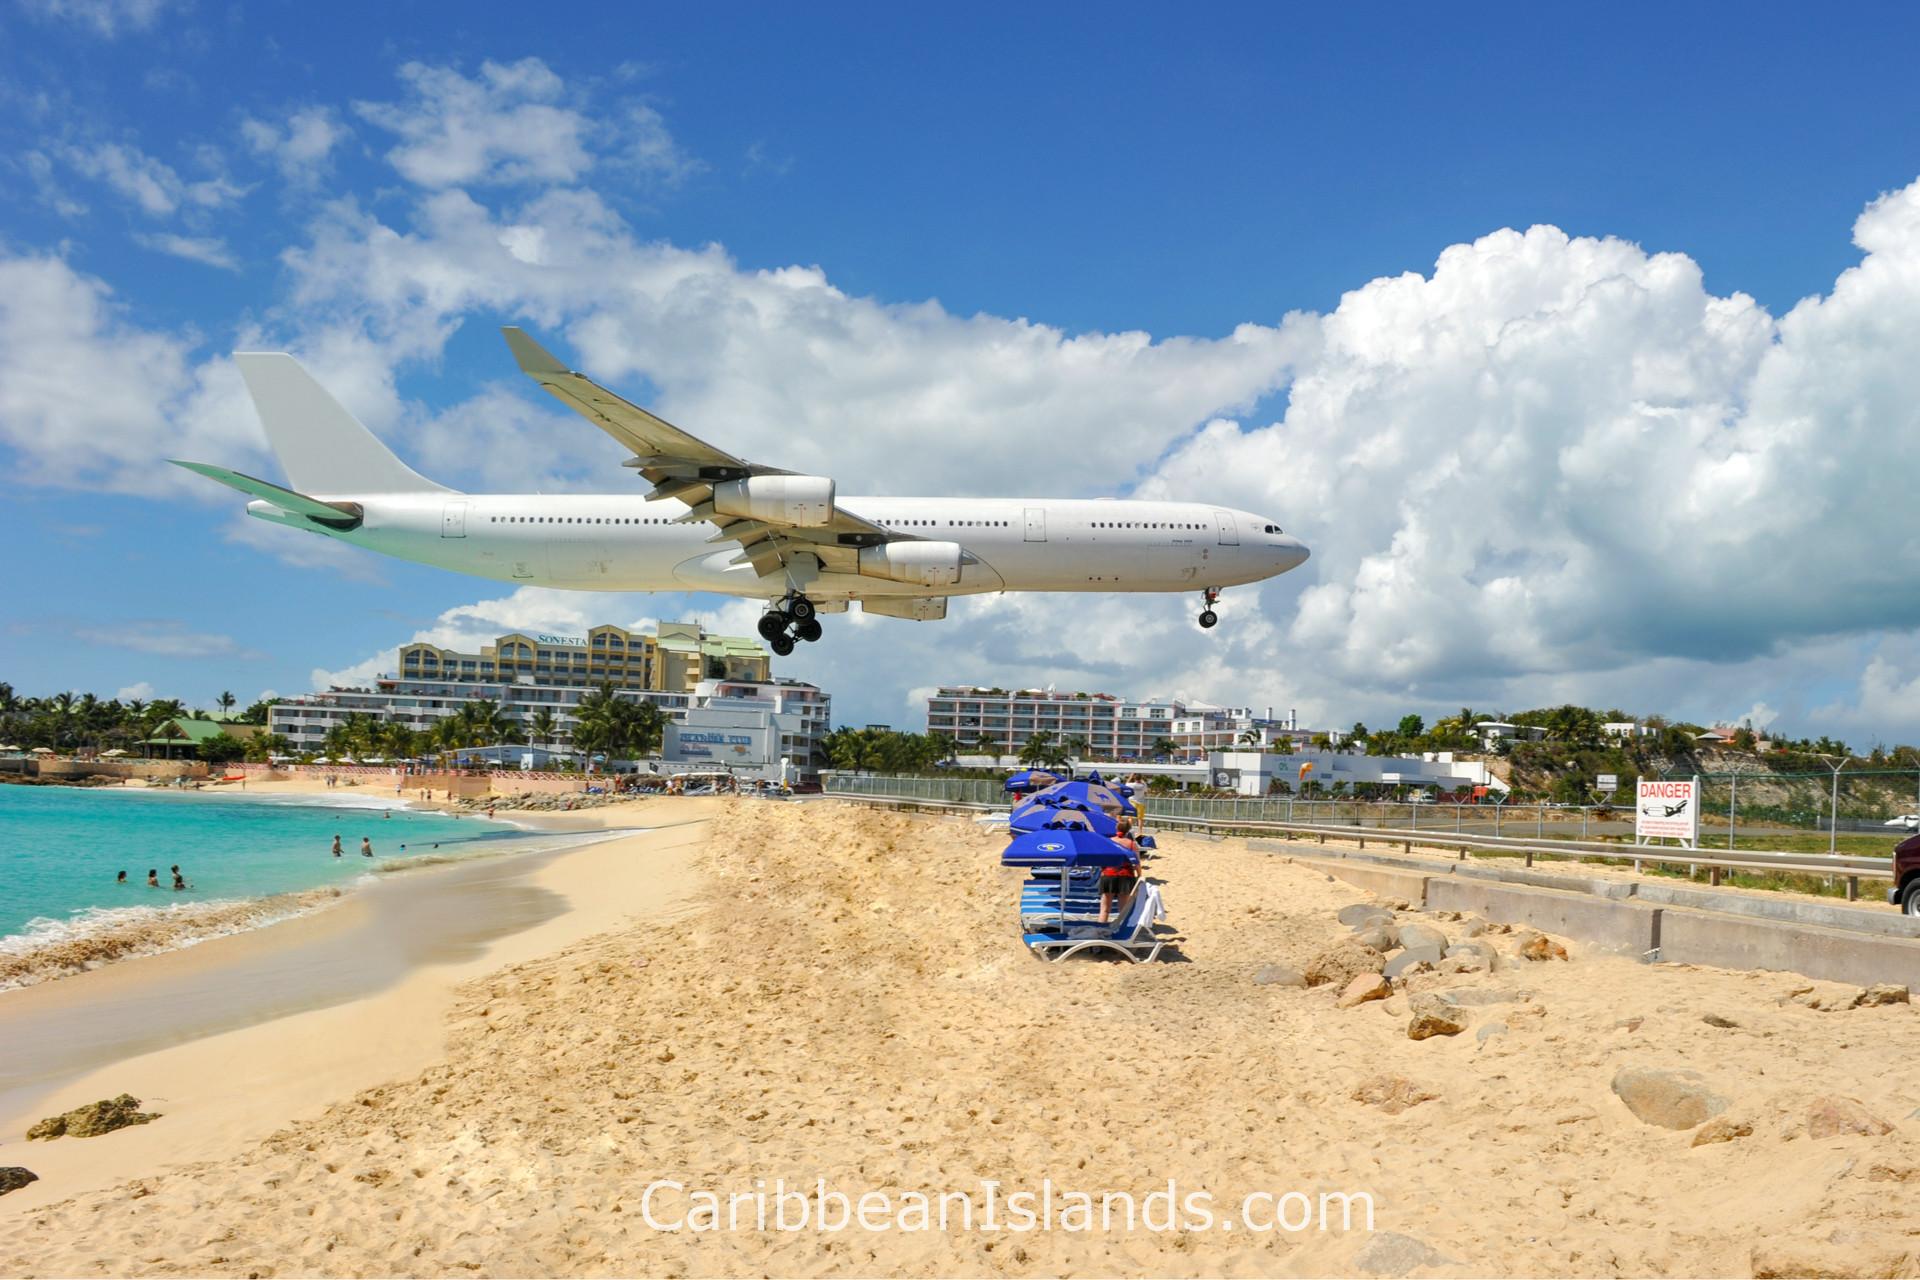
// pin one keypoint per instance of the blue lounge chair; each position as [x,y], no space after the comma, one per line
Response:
[1132,936]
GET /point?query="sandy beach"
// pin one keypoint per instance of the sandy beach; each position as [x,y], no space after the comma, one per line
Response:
[815,992]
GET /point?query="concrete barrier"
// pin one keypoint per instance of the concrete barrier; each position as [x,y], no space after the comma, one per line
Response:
[1626,927]
[1746,942]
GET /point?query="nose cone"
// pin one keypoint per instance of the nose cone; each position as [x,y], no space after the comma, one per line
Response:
[1291,553]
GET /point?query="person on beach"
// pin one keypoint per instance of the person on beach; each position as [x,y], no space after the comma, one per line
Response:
[337,851]
[366,847]
[153,877]
[1118,883]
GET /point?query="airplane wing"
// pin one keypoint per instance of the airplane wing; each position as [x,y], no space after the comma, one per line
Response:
[685,467]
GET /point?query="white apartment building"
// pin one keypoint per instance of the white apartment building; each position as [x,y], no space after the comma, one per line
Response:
[999,721]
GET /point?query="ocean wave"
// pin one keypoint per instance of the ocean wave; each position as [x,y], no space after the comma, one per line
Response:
[51,948]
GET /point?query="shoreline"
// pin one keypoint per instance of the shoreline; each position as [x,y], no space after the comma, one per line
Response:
[396,954]
[51,949]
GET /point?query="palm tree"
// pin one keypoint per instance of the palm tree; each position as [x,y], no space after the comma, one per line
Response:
[986,744]
[1250,737]
[541,727]
[1076,748]
[1165,747]
[226,700]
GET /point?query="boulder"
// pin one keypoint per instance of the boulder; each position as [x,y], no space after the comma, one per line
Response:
[1388,1253]
[1471,947]
[1670,1099]
[1363,988]
[1433,1016]
[1489,1031]
[1381,937]
[94,1119]
[1392,1094]
[1463,962]
[1414,934]
[13,1177]
[1538,946]
[1473,927]
[1412,960]
[1722,1129]
[1279,975]
[1362,914]
[1886,993]
[1342,962]
[1832,1116]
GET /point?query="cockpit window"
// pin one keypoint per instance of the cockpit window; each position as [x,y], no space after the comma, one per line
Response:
[1273,528]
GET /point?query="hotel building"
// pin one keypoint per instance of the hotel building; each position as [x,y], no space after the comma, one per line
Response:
[999,721]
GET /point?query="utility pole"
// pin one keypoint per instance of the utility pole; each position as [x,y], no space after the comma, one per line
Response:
[1733,794]
[1833,817]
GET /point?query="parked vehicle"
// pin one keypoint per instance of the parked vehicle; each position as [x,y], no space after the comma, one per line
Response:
[1905,893]
[1906,822]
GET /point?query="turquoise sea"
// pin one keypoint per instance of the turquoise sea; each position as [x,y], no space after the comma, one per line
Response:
[61,849]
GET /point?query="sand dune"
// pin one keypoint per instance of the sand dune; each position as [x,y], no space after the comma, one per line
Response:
[851,1003]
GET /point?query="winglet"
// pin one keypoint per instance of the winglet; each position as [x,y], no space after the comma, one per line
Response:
[533,358]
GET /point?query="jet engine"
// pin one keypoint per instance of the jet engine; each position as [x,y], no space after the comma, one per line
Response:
[925,564]
[805,502]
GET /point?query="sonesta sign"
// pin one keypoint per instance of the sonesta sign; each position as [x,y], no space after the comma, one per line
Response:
[1667,809]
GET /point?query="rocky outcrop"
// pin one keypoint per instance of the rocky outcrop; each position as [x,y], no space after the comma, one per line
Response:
[1392,1094]
[1435,1016]
[1669,1099]
[1279,975]
[93,1119]
[1832,1116]
[13,1177]
[1343,962]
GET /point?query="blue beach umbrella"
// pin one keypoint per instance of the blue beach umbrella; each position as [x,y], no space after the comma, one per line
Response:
[1035,816]
[1028,780]
[1096,795]
[1056,846]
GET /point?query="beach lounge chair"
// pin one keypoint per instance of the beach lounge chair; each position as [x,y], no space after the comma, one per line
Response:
[1131,936]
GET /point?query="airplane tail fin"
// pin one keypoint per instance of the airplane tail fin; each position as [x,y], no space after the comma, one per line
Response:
[322,447]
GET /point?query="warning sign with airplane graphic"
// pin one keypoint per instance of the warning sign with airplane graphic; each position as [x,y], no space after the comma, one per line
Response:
[1667,809]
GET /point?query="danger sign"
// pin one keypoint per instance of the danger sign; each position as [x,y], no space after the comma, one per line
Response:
[1667,809]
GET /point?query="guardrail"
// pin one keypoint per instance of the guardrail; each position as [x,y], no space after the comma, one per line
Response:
[1853,868]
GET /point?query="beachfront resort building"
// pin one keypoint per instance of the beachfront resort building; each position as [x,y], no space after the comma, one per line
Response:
[999,721]
[680,668]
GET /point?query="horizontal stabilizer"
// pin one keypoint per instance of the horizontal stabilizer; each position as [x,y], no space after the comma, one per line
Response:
[334,515]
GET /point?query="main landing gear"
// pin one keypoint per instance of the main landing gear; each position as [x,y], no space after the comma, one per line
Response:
[792,619]
[1207,616]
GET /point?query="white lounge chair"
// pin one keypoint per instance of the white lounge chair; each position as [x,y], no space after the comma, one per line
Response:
[1132,935]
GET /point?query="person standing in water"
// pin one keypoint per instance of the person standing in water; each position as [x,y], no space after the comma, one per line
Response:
[337,851]
[121,878]
[153,877]
[366,847]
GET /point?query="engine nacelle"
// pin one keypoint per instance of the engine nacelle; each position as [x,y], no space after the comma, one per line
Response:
[803,501]
[925,564]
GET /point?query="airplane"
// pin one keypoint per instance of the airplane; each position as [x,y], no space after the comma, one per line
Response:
[715,522]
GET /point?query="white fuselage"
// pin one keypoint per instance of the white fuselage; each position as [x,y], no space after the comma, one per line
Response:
[625,543]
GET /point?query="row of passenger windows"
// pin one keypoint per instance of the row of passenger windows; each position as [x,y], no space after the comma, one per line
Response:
[1137,524]
[576,520]
[951,524]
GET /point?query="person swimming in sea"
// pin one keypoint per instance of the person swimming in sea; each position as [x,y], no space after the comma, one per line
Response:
[366,847]
[121,878]
[153,877]
[179,881]
[336,846]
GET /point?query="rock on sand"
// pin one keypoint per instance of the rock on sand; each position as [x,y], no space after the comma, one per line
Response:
[1670,1099]
[94,1119]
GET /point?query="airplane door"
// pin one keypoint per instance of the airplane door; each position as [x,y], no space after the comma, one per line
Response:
[1229,531]
[453,520]
[1036,524]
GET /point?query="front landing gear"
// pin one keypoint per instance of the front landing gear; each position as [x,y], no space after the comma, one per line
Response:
[790,620]
[1207,616]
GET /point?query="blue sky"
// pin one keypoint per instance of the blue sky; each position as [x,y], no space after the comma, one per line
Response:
[1093,172]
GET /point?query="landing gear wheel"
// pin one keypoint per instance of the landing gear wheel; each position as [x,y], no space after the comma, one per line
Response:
[773,623]
[808,630]
[801,608]
[1208,617]
[781,644]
